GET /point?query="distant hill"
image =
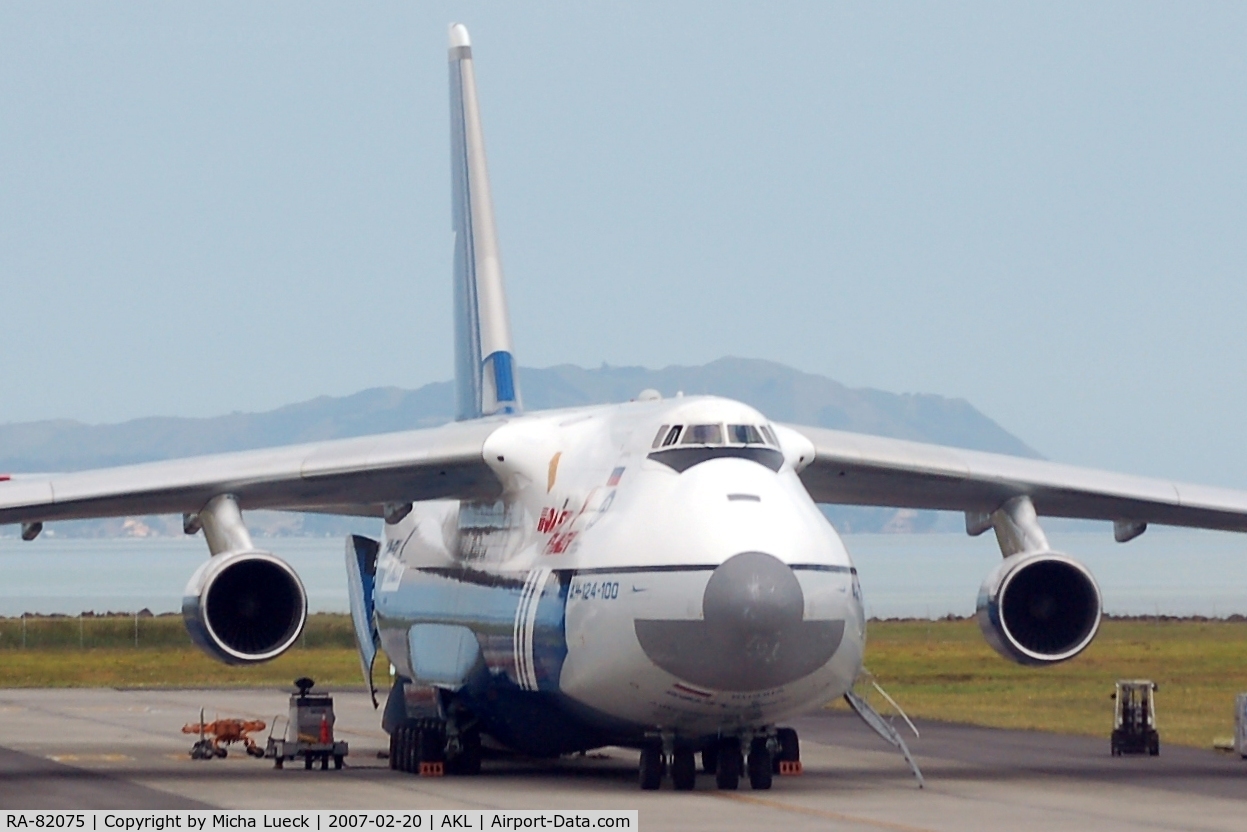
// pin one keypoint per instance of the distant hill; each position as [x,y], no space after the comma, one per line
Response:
[782,393]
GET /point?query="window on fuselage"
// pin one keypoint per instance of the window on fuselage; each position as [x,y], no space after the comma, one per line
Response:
[703,435]
[662,431]
[672,436]
[770,435]
[744,435]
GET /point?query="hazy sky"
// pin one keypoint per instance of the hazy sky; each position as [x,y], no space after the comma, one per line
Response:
[1041,208]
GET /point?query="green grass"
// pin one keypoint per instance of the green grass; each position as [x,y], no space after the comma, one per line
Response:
[173,667]
[935,669]
[944,670]
[100,651]
[143,632]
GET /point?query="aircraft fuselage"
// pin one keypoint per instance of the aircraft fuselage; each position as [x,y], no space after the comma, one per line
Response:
[628,583]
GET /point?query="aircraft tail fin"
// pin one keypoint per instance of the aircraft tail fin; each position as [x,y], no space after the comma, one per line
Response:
[486,381]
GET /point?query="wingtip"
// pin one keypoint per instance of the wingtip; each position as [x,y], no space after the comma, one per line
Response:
[459,36]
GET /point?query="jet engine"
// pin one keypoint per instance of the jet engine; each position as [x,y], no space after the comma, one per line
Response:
[244,607]
[1039,608]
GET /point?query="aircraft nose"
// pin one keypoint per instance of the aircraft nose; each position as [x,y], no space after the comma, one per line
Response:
[752,594]
[752,634]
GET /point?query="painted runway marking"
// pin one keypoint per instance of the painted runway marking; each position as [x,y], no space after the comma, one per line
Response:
[819,813]
[90,758]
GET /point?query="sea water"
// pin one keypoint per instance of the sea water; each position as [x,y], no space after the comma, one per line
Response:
[1164,572]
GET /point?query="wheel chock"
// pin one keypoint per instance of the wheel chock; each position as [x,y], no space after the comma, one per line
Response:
[790,768]
[432,769]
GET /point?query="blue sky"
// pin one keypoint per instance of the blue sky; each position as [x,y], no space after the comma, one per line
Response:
[1038,207]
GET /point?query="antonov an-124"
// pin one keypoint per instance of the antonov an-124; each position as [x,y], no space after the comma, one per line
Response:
[654,574]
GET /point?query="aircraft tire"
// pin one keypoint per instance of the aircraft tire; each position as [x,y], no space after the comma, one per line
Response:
[727,775]
[411,755]
[432,745]
[683,770]
[760,765]
[789,748]
[651,767]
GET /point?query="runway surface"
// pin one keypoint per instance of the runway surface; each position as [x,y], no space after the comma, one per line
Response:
[105,748]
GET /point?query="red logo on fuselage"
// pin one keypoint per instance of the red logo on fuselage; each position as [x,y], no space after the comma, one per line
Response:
[551,519]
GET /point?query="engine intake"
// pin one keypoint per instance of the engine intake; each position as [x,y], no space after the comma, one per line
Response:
[1039,608]
[244,607]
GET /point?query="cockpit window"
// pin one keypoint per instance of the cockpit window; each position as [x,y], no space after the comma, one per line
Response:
[662,431]
[744,435]
[703,435]
[770,435]
[672,435]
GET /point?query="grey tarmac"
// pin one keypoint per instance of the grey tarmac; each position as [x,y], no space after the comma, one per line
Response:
[104,748]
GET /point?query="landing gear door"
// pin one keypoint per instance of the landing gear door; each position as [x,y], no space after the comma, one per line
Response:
[361,574]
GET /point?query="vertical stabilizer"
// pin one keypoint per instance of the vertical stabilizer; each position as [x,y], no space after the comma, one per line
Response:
[485,376]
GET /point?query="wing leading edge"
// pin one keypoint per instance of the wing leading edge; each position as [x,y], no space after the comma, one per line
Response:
[345,476]
[858,469]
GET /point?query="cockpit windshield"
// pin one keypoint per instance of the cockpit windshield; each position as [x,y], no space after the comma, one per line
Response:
[744,435]
[715,434]
[703,435]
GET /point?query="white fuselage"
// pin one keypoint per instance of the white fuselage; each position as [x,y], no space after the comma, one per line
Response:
[602,572]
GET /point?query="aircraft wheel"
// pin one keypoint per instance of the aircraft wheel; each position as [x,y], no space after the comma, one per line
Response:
[651,767]
[222,752]
[432,746]
[710,758]
[399,736]
[760,764]
[727,775]
[683,770]
[411,752]
[789,748]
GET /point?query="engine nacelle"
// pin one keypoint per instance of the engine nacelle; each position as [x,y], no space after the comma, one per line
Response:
[244,607]
[1039,608]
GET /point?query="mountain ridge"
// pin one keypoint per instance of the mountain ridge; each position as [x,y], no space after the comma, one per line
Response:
[782,393]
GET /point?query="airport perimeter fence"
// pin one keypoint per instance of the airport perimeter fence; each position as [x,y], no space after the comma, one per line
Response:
[138,631]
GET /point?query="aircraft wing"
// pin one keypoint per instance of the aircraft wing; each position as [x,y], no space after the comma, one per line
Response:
[344,476]
[858,469]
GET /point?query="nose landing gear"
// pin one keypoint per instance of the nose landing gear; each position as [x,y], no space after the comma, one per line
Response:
[778,753]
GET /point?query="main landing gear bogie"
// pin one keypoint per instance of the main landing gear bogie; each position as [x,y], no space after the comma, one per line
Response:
[726,759]
[421,747]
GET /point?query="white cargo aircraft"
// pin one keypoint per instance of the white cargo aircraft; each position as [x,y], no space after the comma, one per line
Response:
[654,574]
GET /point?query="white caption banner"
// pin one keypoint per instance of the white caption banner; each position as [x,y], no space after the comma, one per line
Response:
[151,820]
